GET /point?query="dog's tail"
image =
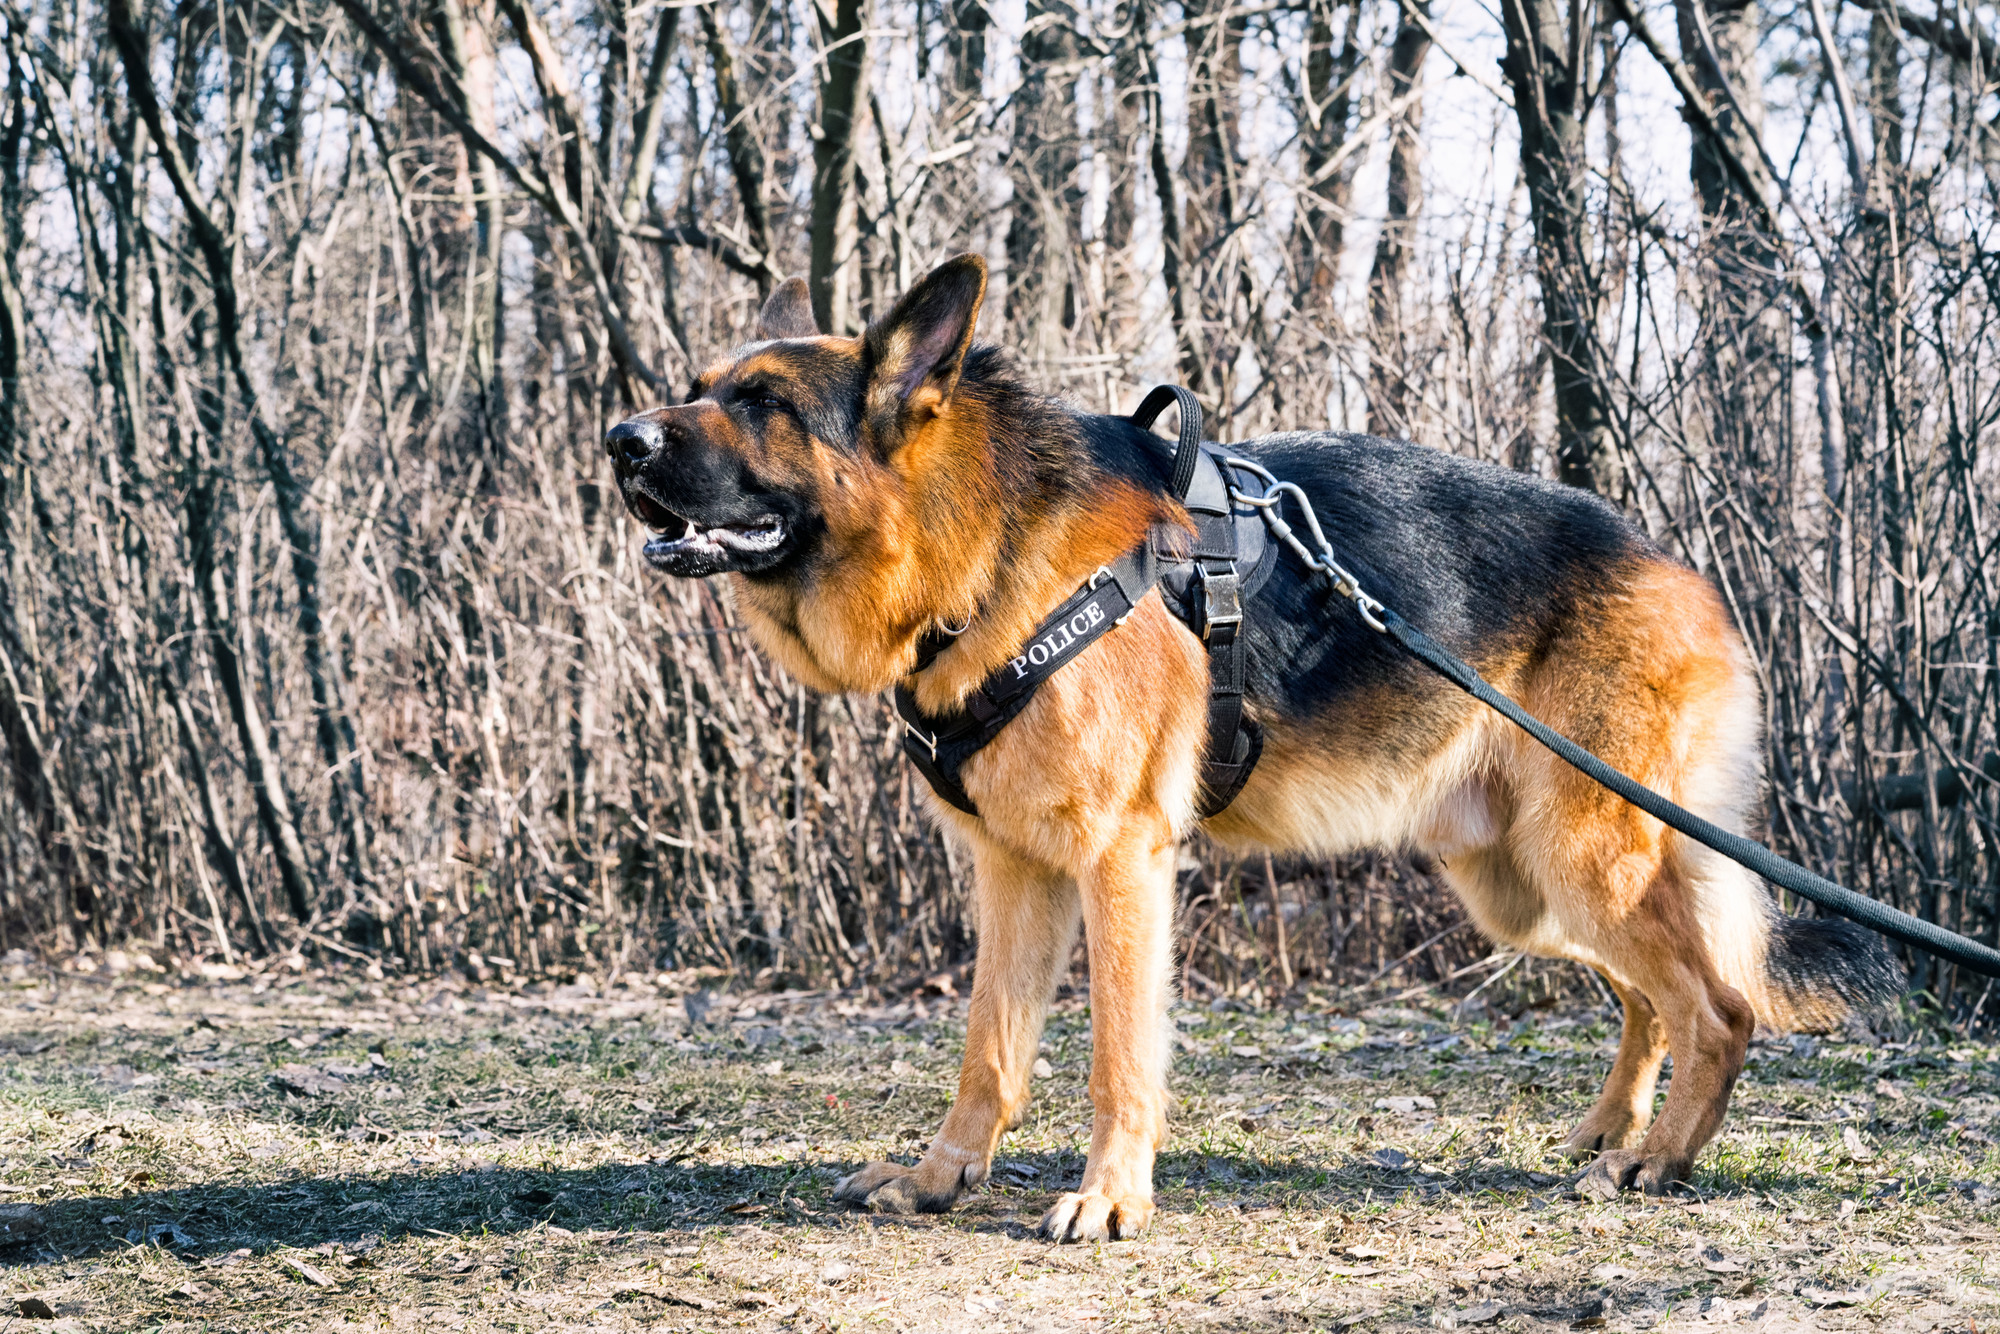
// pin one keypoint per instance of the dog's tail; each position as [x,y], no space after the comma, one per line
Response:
[1819,970]
[1800,974]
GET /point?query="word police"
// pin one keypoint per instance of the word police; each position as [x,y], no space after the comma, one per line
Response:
[1053,644]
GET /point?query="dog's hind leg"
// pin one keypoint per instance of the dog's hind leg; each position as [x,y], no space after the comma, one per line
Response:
[1128,907]
[1026,917]
[1624,1108]
[1707,1023]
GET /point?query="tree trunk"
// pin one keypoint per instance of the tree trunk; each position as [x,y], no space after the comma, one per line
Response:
[833,149]
[1389,387]
[1543,65]
[746,154]
[468,52]
[212,240]
[1042,235]
[1328,92]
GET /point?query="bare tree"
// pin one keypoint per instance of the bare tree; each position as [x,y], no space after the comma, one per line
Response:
[322,631]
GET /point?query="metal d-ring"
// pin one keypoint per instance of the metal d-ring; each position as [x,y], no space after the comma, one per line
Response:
[928,738]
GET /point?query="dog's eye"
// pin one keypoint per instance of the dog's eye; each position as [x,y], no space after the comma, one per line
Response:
[769,403]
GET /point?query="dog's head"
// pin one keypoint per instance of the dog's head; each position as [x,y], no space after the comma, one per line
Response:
[738,478]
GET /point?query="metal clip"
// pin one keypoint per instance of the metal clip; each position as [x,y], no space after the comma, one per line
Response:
[1102,572]
[1221,599]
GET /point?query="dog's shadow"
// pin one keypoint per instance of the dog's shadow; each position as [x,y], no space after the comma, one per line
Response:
[346,1215]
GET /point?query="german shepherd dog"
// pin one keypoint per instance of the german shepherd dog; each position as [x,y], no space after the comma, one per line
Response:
[860,492]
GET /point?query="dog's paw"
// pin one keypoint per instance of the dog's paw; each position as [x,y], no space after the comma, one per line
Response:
[1094,1217]
[1598,1135]
[1621,1169]
[891,1188]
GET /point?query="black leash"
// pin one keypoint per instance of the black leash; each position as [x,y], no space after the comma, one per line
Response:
[1758,858]
[1755,856]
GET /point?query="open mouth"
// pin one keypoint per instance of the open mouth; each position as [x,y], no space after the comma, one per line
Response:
[748,537]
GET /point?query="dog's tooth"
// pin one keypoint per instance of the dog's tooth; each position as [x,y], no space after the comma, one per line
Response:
[690,532]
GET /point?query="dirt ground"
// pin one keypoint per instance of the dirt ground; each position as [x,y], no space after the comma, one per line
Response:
[317,1151]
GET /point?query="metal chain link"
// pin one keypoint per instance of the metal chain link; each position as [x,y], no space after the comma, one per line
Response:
[1344,582]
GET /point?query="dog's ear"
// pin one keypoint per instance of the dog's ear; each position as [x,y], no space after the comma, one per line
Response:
[915,353]
[787,313]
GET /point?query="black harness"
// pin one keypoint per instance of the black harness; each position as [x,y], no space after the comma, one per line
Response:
[1205,582]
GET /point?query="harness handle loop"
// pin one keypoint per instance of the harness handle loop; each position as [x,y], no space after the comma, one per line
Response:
[1188,451]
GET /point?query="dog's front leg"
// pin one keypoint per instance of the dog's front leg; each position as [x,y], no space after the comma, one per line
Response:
[1128,908]
[1026,917]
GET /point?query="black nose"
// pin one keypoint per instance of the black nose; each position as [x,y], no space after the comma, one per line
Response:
[632,442]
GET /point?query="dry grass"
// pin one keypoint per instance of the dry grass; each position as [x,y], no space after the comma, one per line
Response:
[319,1152]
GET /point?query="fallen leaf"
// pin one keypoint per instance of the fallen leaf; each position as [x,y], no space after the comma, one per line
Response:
[1833,1296]
[743,1208]
[1485,1313]
[1393,1159]
[1368,1253]
[306,1081]
[1419,1103]
[34,1308]
[835,1272]
[902,1069]
[1857,1148]
[1716,1263]
[307,1272]
[1610,1273]
[1042,1068]
[1247,1053]
[160,1234]
[1887,1090]
[1493,1260]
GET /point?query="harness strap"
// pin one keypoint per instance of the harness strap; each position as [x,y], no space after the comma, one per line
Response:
[1214,610]
[1234,742]
[940,746]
